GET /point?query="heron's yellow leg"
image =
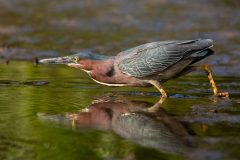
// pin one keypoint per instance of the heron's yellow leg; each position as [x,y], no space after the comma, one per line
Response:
[159,87]
[208,71]
[156,106]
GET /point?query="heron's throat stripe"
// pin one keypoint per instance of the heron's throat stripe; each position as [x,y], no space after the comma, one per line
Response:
[108,84]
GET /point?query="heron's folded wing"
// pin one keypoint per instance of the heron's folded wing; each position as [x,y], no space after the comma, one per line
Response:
[151,58]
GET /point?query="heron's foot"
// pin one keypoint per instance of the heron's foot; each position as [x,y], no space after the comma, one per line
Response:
[222,94]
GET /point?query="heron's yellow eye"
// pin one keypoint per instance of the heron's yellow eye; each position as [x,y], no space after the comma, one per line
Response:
[75,59]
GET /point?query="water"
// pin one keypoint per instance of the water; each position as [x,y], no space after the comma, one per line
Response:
[57,112]
[39,103]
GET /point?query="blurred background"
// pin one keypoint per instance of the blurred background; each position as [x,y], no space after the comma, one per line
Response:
[36,29]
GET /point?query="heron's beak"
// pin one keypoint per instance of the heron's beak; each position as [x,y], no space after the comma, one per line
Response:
[59,60]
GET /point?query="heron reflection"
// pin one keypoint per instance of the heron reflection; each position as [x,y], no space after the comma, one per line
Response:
[131,120]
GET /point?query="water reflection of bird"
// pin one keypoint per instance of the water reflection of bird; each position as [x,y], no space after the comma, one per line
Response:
[145,65]
[130,120]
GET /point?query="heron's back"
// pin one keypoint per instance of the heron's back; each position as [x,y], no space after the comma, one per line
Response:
[151,58]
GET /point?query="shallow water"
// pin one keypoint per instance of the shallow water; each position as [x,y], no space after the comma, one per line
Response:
[56,112]
[38,103]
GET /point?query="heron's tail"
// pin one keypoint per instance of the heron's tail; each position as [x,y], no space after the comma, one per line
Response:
[197,56]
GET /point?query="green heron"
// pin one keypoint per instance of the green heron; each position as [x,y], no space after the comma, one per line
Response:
[145,65]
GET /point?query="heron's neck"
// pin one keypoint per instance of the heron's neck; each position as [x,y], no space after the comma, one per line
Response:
[96,67]
[86,64]
[99,70]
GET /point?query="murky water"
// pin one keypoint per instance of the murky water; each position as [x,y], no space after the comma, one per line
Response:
[56,112]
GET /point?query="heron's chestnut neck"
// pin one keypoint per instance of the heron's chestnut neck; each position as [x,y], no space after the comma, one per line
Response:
[101,66]
[86,64]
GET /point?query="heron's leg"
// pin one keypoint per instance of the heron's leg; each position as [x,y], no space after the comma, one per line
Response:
[208,71]
[157,105]
[159,87]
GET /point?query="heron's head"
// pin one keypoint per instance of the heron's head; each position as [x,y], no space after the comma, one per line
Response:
[71,61]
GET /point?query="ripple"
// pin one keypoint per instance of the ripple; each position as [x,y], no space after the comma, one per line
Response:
[6,83]
[21,147]
[213,118]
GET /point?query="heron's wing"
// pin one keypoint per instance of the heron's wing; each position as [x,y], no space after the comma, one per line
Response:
[155,57]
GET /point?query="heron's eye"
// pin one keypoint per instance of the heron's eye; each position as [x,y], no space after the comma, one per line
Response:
[75,59]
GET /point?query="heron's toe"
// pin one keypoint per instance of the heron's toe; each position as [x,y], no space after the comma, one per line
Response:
[223,94]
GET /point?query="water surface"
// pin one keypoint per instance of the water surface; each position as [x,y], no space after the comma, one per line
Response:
[37,104]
